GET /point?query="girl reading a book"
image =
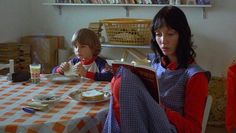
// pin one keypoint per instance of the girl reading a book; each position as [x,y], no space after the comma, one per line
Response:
[183,84]
[87,63]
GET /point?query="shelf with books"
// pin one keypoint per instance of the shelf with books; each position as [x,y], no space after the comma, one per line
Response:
[126,6]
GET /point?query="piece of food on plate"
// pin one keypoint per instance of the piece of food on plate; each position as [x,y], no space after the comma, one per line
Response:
[92,95]
[38,106]
[71,71]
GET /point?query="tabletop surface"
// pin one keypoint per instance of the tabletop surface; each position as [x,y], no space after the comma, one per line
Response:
[67,115]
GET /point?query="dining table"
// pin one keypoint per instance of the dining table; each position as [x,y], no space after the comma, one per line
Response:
[67,115]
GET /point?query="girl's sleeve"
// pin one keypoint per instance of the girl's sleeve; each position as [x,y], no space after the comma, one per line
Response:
[57,69]
[195,99]
[105,73]
[103,76]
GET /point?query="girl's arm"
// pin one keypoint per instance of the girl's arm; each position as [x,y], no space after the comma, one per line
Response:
[195,98]
[103,76]
[105,71]
[58,69]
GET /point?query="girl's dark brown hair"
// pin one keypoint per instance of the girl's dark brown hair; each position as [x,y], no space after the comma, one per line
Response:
[86,36]
[173,17]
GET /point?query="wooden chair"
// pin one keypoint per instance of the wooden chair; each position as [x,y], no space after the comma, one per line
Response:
[10,65]
[206,113]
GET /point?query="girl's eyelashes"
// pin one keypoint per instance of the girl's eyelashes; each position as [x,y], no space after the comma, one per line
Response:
[159,34]
[82,46]
[79,46]
[171,34]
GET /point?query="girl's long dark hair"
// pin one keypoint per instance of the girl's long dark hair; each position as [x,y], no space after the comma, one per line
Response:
[173,17]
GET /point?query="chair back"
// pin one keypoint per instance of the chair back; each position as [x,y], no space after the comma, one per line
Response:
[10,65]
[206,112]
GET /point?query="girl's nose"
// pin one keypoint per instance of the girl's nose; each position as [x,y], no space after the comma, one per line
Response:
[164,39]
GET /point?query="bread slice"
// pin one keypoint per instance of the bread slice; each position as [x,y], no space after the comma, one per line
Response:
[92,95]
[70,71]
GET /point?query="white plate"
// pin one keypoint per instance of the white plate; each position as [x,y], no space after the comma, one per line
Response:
[76,95]
[46,99]
[57,78]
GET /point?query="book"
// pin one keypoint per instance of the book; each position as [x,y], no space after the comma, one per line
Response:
[145,73]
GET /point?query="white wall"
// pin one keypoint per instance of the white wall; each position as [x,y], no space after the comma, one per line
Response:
[14,19]
[214,36]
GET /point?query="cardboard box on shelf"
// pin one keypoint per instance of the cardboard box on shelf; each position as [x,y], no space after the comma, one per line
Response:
[44,50]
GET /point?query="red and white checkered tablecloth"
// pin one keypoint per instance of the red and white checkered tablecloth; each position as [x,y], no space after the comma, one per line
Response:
[67,116]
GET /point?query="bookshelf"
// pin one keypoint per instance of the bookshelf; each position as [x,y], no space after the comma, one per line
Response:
[126,6]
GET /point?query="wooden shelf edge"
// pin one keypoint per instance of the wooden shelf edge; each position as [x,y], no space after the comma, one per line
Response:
[124,5]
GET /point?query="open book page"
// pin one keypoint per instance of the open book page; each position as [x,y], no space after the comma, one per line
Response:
[145,73]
